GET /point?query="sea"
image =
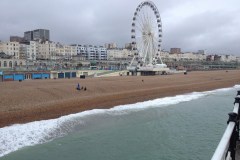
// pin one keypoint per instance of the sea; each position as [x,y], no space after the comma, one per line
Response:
[182,127]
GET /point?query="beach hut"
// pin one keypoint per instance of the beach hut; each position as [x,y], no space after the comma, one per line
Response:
[60,75]
[45,75]
[82,76]
[73,74]
[53,75]
[36,76]
[18,77]
[67,74]
[28,76]
[1,76]
[8,77]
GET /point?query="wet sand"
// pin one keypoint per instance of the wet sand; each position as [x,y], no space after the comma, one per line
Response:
[33,100]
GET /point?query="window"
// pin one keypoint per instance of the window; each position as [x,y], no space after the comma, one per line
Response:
[5,64]
[10,64]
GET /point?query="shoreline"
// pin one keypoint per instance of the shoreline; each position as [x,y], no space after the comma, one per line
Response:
[34,100]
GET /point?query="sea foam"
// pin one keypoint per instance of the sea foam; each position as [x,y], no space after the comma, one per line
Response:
[18,136]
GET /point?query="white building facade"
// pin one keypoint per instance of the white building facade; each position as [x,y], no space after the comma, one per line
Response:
[119,54]
[10,48]
[46,50]
[32,50]
[11,63]
[90,52]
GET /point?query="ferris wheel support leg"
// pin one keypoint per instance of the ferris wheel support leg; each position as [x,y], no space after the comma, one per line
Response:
[132,61]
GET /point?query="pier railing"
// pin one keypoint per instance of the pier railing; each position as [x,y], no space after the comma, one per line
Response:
[226,149]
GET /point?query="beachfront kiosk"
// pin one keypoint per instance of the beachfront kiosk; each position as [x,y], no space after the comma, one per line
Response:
[146,35]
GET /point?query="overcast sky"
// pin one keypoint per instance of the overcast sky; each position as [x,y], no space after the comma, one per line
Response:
[212,25]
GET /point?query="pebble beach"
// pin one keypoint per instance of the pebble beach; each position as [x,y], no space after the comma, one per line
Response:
[33,100]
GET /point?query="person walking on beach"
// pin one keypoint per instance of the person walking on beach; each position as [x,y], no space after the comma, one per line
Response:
[78,87]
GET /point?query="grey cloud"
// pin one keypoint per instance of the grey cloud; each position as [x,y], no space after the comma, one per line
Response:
[103,21]
[214,31]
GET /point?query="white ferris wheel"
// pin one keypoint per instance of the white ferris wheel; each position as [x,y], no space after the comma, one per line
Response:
[146,35]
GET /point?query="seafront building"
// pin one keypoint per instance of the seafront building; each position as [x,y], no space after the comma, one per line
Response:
[16,39]
[37,35]
[10,48]
[35,48]
[32,50]
[187,56]
[46,51]
[63,52]
[29,50]
[53,53]
[96,53]
[110,46]
[91,52]
[175,50]
[119,54]
[12,63]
